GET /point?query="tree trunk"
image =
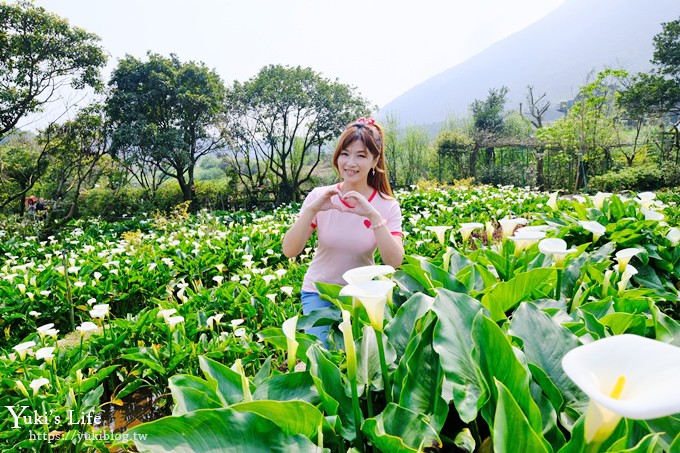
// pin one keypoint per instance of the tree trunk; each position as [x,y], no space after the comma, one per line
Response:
[285,194]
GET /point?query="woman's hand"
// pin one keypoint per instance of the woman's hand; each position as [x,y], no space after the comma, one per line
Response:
[361,206]
[326,202]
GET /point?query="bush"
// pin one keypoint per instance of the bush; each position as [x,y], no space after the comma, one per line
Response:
[134,201]
[648,177]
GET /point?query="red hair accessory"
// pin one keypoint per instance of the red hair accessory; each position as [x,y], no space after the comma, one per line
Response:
[368,121]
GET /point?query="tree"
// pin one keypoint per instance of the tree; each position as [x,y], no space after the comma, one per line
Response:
[76,148]
[164,115]
[537,106]
[39,53]
[488,124]
[657,94]
[585,138]
[279,122]
[667,49]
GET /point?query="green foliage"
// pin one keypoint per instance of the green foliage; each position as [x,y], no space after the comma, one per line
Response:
[647,177]
[38,51]
[164,117]
[667,49]
[488,114]
[22,163]
[453,149]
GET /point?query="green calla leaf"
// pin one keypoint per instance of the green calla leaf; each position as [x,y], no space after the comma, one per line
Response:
[191,393]
[533,326]
[512,430]
[217,430]
[398,429]
[498,360]
[293,417]
[400,327]
[625,323]
[329,384]
[228,382]
[452,340]
[419,377]
[286,387]
[505,295]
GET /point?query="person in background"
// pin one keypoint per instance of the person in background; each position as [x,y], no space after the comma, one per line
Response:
[351,218]
[41,209]
[31,204]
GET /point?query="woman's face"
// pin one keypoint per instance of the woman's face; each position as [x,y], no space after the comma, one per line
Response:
[354,163]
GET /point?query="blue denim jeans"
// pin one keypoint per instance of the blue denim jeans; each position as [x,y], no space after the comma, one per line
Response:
[312,301]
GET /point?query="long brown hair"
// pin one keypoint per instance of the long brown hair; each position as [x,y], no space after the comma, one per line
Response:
[371,134]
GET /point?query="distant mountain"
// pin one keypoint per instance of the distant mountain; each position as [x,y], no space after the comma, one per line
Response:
[555,55]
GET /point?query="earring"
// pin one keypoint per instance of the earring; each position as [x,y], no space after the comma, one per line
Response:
[373,171]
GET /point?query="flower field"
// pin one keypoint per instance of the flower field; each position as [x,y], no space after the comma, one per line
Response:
[459,349]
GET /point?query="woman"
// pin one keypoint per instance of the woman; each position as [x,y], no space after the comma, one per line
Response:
[352,218]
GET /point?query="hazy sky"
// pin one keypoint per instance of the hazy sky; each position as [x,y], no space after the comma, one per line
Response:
[382,47]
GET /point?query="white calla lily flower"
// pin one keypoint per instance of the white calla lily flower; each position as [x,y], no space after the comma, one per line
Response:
[624,256]
[37,383]
[99,311]
[645,199]
[167,312]
[466,229]
[628,272]
[599,199]
[42,330]
[596,228]
[366,273]
[23,348]
[533,229]
[525,239]
[508,225]
[87,326]
[440,231]
[214,320]
[172,321]
[639,389]
[45,354]
[555,247]
[673,236]
[373,296]
[289,329]
[651,214]
[552,201]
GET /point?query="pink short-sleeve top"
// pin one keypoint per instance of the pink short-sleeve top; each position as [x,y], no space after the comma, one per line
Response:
[345,240]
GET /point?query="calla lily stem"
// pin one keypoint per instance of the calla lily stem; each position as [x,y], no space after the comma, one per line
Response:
[558,287]
[383,367]
[359,441]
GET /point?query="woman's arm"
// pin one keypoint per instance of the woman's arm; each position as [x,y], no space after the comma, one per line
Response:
[296,238]
[390,246]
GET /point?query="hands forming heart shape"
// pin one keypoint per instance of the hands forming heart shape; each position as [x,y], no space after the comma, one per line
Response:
[352,202]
